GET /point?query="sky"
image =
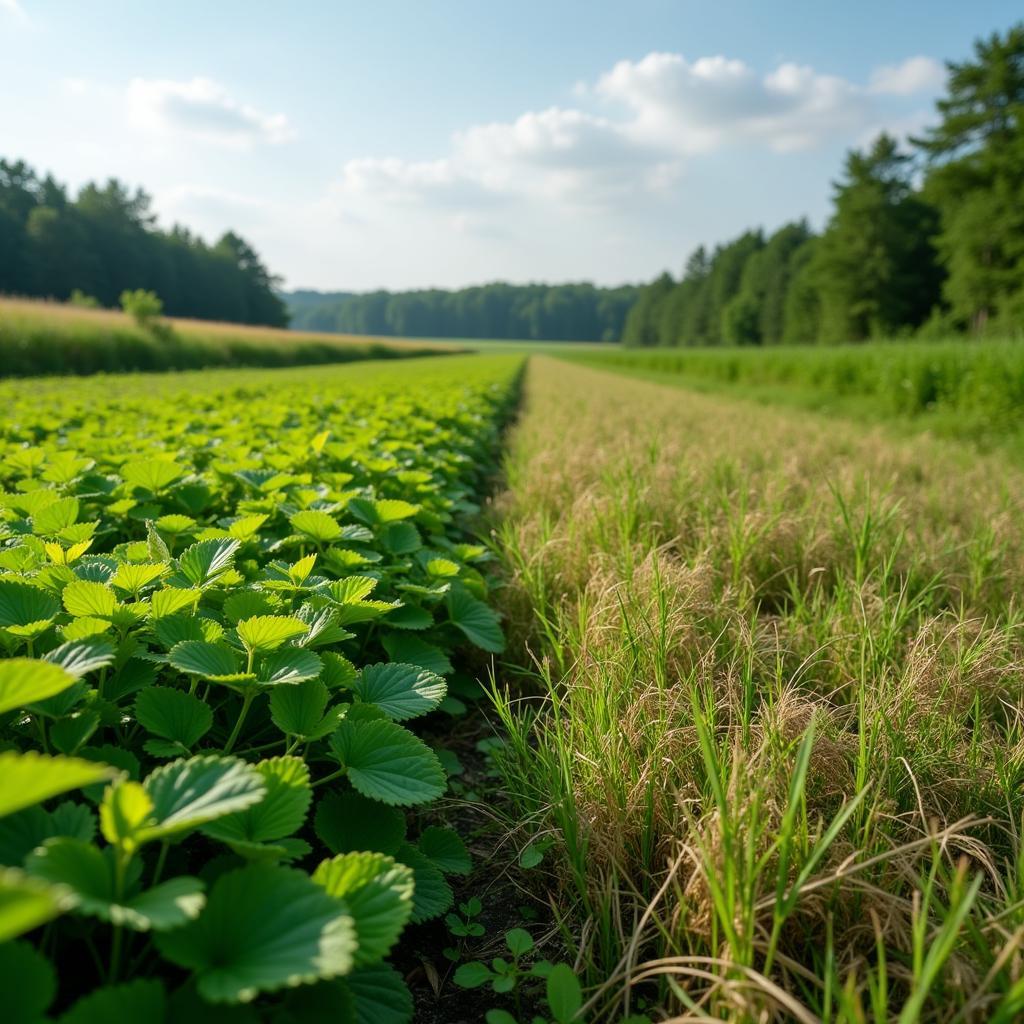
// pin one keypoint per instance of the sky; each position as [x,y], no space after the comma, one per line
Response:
[405,144]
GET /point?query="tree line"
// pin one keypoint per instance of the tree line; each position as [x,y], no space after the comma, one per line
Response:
[104,241]
[566,312]
[925,240]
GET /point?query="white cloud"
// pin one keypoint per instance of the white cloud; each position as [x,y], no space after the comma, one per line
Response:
[13,8]
[633,133]
[202,109]
[914,75]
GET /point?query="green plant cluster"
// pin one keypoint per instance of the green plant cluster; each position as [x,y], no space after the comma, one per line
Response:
[222,599]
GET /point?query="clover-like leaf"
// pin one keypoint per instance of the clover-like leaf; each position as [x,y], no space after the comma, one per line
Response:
[24,681]
[263,928]
[378,892]
[386,762]
[400,691]
[347,822]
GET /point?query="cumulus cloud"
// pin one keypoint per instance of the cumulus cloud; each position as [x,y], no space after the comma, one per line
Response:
[914,75]
[634,130]
[203,109]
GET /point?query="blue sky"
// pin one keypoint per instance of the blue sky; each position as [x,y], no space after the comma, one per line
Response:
[404,144]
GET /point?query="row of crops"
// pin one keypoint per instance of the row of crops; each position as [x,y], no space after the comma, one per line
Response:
[225,600]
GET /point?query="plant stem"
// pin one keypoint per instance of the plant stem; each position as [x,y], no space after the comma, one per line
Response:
[246,701]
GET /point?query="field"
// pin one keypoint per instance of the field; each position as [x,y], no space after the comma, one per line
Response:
[48,337]
[505,689]
[970,390]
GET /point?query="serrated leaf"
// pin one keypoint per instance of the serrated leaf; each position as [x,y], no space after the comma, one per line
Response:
[27,980]
[411,650]
[89,599]
[316,524]
[386,762]
[209,661]
[478,622]
[30,777]
[268,632]
[173,715]
[56,516]
[80,657]
[400,691]
[206,560]
[380,994]
[432,895]
[288,666]
[348,822]
[299,710]
[22,604]
[141,1000]
[151,474]
[91,875]
[263,928]
[24,681]
[378,892]
[446,850]
[281,812]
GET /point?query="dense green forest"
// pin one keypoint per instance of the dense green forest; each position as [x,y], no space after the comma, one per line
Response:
[565,312]
[927,240]
[105,240]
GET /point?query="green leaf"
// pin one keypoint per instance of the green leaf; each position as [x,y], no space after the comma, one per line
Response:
[21,833]
[24,681]
[339,673]
[500,1017]
[206,560]
[193,792]
[80,657]
[564,995]
[316,524]
[152,474]
[386,762]
[411,650]
[281,812]
[400,691]
[26,903]
[446,850]
[84,598]
[56,516]
[141,1000]
[268,632]
[22,604]
[381,996]
[173,714]
[378,892]
[472,975]
[90,874]
[478,622]
[133,576]
[208,661]
[351,589]
[432,895]
[30,778]
[386,510]
[289,666]
[263,928]
[519,941]
[28,982]
[348,822]
[299,710]
[245,604]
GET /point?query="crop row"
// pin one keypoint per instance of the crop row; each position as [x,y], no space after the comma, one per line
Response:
[222,596]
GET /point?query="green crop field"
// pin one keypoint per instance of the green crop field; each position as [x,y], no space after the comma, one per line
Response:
[430,690]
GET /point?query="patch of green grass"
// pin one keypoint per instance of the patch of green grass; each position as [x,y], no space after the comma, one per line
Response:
[773,718]
[971,390]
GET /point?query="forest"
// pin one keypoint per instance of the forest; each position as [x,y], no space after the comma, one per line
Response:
[105,240]
[923,240]
[564,312]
